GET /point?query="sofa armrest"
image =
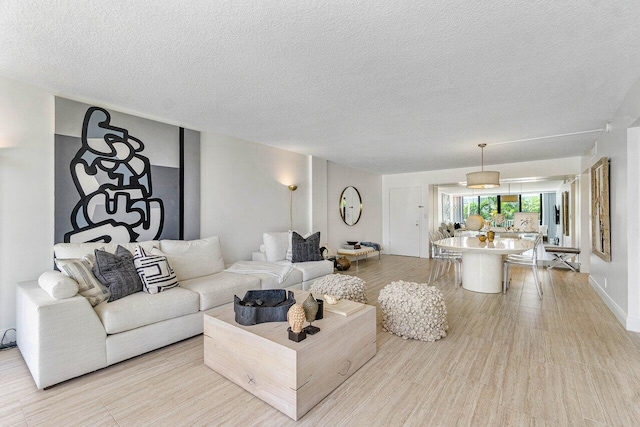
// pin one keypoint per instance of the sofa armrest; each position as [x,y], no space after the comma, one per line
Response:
[259,256]
[58,339]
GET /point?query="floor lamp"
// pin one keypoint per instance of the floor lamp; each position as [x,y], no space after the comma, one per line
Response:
[292,188]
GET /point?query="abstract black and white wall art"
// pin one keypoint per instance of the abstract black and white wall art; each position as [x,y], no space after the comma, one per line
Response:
[121,178]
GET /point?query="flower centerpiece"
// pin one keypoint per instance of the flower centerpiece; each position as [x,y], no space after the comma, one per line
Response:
[498,219]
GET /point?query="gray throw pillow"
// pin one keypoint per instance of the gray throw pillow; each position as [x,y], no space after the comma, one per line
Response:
[305,249]
[117,272]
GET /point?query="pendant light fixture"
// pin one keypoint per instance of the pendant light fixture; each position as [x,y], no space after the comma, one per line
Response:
[510,197]
[483,179]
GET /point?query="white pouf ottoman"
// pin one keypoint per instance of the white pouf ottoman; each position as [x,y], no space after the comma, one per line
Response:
[413,310]
[340,286]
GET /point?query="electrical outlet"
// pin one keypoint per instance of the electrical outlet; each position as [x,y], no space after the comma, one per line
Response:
[605,282]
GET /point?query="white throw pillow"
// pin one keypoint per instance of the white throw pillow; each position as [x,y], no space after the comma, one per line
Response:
[276,246]
[194,258]
[58,285]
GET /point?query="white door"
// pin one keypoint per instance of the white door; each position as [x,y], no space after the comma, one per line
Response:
[404,221]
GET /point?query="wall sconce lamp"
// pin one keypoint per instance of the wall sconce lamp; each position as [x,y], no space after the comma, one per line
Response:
[292,188]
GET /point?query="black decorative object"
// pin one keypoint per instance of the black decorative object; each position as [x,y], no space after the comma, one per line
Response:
[320,313]
[263,306]
[297,337]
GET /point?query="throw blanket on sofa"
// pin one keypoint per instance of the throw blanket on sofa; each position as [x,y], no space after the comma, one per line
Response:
[375,246]
[257,267]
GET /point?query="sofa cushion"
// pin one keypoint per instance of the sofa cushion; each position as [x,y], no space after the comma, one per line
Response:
[78,250]
[219,288]
[312,269]
[276,246]
[268,281]
[80,270]
[155,272]
[117,272]
[142,309]
[305,249]
[192,258]
[58,285]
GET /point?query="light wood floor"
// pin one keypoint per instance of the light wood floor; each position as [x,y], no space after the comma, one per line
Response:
[508,360]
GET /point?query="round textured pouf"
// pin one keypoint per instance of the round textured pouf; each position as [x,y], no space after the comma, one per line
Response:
[413,310]
[340,286]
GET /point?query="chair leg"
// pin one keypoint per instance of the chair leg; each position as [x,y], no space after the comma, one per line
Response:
[435,270]
[505,277]
[534,268]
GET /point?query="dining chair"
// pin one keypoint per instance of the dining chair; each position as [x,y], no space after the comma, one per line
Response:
[524,260]
[443,259]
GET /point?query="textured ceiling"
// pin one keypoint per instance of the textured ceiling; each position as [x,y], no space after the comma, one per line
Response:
[381,86]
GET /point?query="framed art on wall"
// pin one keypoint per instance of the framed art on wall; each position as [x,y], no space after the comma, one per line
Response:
[122,178]
[526,221]
[600,220]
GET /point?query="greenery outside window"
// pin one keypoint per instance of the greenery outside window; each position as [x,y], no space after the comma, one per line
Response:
[487,206]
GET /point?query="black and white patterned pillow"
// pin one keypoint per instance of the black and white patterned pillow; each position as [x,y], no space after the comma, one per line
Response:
[306,249]
[155,272]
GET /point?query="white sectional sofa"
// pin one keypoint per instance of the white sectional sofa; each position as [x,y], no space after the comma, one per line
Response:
[64,338]
[275,249]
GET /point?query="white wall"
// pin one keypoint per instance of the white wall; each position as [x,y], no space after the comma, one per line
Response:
[633,227]
[26,189]
[369,227]
[427,181]
[243,189]
[244,192]
[621,274]
[319,198]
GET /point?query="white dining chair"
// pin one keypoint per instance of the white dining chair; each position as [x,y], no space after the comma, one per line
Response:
[524,260]
[443,259]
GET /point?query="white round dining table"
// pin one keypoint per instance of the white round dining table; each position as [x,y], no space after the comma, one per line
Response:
[482,261]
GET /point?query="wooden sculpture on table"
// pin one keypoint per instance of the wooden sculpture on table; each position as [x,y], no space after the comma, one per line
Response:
[310,306]
[296,317]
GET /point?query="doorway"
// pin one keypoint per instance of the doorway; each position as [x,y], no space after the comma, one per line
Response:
[405,208]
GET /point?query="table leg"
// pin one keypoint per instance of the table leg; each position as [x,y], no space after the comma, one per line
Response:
[482,272]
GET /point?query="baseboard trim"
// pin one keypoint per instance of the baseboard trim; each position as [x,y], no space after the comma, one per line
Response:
[633,324]
[620,314]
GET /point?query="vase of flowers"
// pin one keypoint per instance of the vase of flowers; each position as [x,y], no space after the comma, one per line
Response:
[498,219]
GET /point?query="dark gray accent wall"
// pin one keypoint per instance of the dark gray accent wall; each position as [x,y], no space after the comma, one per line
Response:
[191,184]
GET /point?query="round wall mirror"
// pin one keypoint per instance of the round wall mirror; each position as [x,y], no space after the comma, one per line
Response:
[350,205]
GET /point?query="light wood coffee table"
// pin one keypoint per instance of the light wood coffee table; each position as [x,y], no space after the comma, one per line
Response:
[292,377]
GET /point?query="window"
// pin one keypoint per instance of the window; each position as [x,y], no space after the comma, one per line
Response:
[508,208]
[469,206]
[531,203]
[488,206]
